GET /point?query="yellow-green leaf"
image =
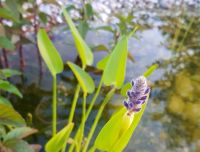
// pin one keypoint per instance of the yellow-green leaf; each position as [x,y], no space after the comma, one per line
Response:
[124,139]
[102,63]
[110,132]
[83,78]
[5,101]
[56,143]
[8,116]
[125,88]
[84,51]
[114,72]
[150,70]
[49,53]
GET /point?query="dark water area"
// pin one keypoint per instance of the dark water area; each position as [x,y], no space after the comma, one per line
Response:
[171,122]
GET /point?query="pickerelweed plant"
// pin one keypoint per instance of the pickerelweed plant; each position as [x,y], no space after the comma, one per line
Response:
[116,133]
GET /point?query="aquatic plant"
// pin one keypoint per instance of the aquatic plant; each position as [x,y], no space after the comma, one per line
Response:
[112,77]
[13,128]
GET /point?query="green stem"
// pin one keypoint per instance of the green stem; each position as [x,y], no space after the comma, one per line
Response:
[87,113]
[54,107]
[74,103]
[82,126]
[94,125]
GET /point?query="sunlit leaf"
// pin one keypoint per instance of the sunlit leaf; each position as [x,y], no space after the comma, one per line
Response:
[56,143]
[84,51]
[114,72]
[110,132]
[102,63]
[19,133]
[8,116]
[6,86]
[9,72]
[17,145]
[116,133]
[5,101]
[6,43]
[49,53]
[125,138]
[125,88]
[84,78]
[150,70]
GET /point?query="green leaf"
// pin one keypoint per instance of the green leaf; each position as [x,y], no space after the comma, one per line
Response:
[125,88]
[7,14]
[19,133]
[124,139]
[16,145]
[114,72]
[83,28]
[89,10]
[5,101]
[43,17]
[56,143]
[102,63]
[6,43]
[6,86]
[84,51]
[49,53]
[8,116]
[70,7]
[116,133]
[9,72]
[150,70]
[110,132]
[83,78]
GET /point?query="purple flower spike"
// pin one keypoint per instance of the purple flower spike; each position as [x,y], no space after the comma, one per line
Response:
[137,95]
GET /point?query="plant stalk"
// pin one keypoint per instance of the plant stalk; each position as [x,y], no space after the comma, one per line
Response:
[98,116]
[54,107]
[87,113]
[74,103]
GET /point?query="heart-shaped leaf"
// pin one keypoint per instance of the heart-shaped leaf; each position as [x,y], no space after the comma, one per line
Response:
[8,116]
[19,133]
[6,86]
[110,132]
[114,72]
[83,78]
[9,72]
[84,51]
[56,143]
[49,53]
[5,101]
[124,139]
[102,63]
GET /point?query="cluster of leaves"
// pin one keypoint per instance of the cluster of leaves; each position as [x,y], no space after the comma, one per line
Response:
[114,70]
[13,16]
[13,127]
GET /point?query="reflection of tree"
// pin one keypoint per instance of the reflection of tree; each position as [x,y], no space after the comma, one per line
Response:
[181,82]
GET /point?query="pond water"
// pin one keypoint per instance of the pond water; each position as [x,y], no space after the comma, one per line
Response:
[171,122]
